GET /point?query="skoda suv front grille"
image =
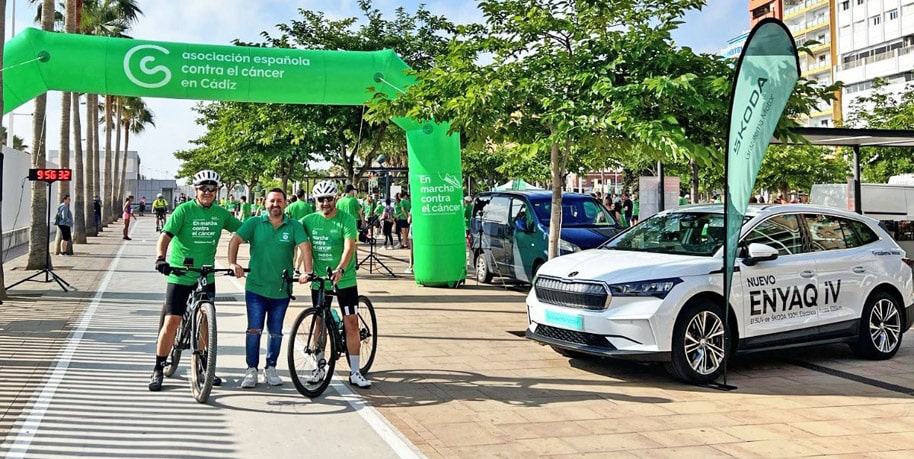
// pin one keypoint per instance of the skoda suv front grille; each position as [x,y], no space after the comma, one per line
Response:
[572,294]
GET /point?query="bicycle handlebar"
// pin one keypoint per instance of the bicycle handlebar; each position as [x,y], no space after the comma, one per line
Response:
[294,277]
[204,270]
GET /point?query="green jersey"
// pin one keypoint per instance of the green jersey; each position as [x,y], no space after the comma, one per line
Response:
[271,253]
[349,205]
[245,211]
[379,210]
[467,214]
[196,231]
[231,205]
[309,208]
[297,210]
[327,236]
[403,207]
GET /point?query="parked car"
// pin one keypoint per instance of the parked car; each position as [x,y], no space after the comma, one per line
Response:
[510,231]
[804,275]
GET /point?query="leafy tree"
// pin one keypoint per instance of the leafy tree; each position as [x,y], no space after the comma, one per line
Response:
[582,82]
[881,109]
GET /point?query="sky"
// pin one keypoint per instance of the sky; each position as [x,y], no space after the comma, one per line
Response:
[221,21]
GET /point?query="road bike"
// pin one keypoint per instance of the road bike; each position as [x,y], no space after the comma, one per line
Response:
[160,220]
[197,332]
[313,349]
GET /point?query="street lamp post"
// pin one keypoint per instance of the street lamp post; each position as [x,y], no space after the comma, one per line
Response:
[9,133]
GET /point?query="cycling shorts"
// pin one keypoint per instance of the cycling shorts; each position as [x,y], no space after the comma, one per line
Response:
[176,296]
[160,212]
[348,299]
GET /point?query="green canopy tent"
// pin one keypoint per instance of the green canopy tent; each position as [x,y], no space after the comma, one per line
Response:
[516,185]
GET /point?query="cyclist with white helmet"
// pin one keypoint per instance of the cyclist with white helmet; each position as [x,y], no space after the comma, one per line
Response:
[160,208]
[332,238]
[195,227]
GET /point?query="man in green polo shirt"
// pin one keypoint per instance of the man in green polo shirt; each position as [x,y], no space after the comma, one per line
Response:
[273,237]
[332,236]
[193,231]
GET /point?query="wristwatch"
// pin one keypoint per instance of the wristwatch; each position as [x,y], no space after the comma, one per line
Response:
[342,271]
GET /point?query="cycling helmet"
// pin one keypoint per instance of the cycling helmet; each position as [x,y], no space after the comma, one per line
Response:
[323,189]
[207,176]
[159,195]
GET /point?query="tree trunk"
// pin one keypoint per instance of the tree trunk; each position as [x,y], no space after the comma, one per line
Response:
[64,158]
[111,199]
[693,167]
[3,295]
[116,176]
[555,216]
[96,157]
[38,231]
[79,203]
[123,180]
[91,171]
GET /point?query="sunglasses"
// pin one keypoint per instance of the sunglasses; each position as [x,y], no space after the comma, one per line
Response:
[325,199]
[207,189]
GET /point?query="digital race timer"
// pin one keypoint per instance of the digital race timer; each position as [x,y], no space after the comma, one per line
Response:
[50,175]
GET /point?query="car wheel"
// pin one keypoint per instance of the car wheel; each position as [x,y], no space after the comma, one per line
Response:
[483,274]
[879,337]
[699,342]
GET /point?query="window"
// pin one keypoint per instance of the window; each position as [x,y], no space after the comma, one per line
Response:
[825,232]
[845,5]
[781,232]
[892,14]
[857,233]
[497,210]
[823,123]
[859,2]
[876,20]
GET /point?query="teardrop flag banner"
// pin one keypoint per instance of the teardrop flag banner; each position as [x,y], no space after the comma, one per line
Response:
[766,73]
[38,61]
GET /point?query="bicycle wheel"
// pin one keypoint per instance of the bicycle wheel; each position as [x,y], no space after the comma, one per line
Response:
[203,359]
[182,338]
[368,334]
[311,354]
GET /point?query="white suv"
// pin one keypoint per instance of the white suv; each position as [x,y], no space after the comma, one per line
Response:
[804,275]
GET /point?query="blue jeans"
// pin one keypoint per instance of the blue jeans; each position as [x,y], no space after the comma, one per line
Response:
[261,308]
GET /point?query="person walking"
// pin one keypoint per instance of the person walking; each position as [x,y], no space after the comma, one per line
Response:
[244,209]
[403,219]
[97,213]
[128,213]
[195,228]
[387,220]
[332,236]
[142,206]
[349,204]
[273,238]
[64,222]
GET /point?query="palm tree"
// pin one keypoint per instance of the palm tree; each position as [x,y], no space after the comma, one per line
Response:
[2,43]
[135,117]
[110,18]
[38,236]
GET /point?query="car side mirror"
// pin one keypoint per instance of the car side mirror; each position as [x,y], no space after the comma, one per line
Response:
[760,252]
[520,224]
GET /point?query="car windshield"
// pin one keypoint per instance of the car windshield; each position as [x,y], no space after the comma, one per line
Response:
[576,211]
[682,233]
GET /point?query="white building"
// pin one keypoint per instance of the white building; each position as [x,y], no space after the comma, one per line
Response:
[875,40]
[735,46]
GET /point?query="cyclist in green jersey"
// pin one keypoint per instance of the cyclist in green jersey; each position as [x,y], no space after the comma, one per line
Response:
[332,239]
[195,227]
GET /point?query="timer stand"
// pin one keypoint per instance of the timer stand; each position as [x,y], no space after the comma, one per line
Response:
[48,272]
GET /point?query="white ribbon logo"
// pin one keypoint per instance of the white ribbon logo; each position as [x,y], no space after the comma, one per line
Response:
[144,63]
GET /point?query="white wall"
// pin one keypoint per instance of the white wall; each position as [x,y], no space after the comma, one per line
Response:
[17,196]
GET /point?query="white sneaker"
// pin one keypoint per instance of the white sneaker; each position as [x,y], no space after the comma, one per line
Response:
[270,377]
[359,380]
[250,378]
[408,270]
[317,375]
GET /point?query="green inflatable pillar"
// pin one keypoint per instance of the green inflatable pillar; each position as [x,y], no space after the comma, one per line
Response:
[436,189]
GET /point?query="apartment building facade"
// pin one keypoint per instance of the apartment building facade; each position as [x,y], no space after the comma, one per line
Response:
[875,40]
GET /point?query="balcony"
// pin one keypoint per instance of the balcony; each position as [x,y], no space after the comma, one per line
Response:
[803,7]
[892,54]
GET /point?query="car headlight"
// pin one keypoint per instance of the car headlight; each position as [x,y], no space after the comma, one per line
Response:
[659,288]
[567,246]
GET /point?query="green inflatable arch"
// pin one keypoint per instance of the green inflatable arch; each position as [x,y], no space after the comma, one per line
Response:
[38,61]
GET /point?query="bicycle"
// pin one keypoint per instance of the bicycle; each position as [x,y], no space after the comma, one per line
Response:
[197,332]
[160,220]
[313,349]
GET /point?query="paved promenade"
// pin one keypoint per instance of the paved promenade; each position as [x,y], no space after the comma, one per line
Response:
[453,378]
